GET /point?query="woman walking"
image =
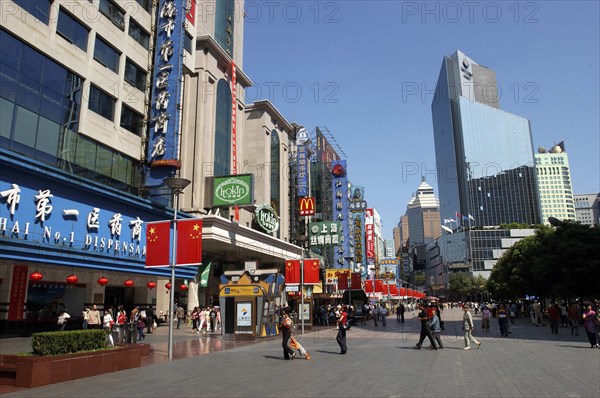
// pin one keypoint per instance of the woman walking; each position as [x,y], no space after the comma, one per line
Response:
[468,328]
[589,324]
[341,336]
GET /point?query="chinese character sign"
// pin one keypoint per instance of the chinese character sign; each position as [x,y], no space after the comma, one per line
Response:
[303,170]
[370,235]
[324,233]
[339,191]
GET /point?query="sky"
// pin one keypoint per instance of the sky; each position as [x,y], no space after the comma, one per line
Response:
[366,71]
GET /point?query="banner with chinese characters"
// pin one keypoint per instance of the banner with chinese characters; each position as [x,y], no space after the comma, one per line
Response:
[324,233]
[339,191]
[163,135]
[302,160]
[359,239]
[370,236]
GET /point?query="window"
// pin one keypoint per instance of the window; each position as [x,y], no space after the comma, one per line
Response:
[113,12]
[145,4]
[135,75]
[187,43]
[224,17]
[40,9]
[101,103]
[137,33]
[72,30]
[223,130]
[131,120]
[106,55]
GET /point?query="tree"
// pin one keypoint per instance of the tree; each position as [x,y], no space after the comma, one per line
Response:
[460,285]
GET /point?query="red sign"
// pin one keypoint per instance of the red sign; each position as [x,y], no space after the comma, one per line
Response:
[234,128]
[18,293]
[355,281]
[342,281]
[307,206]
[311,271]
[370,233]
[158,239]
[292,271]
[189,242]
[191,14]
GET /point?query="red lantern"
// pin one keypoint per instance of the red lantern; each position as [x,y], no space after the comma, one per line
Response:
[36,276]
[102,281]
[151,285]
[168,285]
[183,287]
[128,283]
[72,278]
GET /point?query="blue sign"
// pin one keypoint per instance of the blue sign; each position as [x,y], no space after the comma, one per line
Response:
[303,170]
[166,92]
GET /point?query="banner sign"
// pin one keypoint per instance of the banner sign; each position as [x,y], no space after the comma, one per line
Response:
[18,293]
[307,206]
[267,218]
[339,190]
[302,159]
[233,190]
[359,239]
[324,233]
[370,236]
[167,90]
[244,313]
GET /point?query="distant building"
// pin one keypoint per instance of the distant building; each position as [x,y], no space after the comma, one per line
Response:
[423,215]
[587,209]
[554,184]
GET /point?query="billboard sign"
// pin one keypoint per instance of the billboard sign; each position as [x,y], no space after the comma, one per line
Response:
[233,190]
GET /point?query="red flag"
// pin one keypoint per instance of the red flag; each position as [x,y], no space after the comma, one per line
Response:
[386,289]
[342,281]
[378,285]
[369,286]
[355,280]
[311,271]
[292,271]
[158,237]
[403,291]
[393,290]
[189,242]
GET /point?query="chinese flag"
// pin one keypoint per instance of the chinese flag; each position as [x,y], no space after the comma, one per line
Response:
[378,286]
[342,281]
[369,286]
[355,280]
[292,271]
[158,237]
[311,271]
[386,289]
[189,242]
[393,290]
[403,291]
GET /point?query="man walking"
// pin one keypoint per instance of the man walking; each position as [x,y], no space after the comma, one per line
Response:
[286,334]
[425,328]
[94,318]
[402,309]
[468,328]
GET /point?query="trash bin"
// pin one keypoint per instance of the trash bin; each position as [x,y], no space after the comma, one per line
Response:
[130,333]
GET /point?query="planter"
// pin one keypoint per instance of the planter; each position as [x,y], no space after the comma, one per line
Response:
[40,371]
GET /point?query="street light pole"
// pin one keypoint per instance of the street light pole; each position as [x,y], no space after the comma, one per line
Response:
[177,185]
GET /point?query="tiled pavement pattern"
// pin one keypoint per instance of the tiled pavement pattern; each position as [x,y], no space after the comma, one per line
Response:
[380,362]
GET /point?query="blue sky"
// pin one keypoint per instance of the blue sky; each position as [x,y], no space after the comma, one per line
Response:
[366,70]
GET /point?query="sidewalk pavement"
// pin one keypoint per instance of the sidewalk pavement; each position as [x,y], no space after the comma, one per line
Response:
[380,362]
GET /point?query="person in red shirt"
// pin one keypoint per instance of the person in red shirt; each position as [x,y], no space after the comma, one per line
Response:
[341,336]
[554,317]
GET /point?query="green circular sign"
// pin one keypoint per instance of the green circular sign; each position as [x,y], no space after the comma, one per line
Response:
[267,218]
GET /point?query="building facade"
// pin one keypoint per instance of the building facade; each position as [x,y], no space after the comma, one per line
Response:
[484,155]
[554,181]
[587,209]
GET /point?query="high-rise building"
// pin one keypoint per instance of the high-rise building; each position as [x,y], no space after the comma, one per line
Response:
[554,182]
[484,155]
[587,209]
[423,216]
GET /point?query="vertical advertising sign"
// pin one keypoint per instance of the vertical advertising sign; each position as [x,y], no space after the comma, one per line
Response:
[339,191]
[18,293]
[302,170]
[163,136]
[359,241]
[190,6]
[370,236]
[234,128]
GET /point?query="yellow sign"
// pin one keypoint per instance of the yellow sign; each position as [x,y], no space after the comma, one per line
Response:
[248,290]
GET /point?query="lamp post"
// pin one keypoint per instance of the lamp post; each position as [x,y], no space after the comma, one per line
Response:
[176,185]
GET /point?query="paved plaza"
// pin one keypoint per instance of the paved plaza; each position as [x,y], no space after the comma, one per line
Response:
[381,362]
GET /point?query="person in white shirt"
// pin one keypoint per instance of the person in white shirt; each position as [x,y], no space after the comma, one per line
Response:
[62,320]
[107,322]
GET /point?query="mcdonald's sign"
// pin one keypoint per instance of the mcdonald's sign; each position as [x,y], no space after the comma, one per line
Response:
[307,206]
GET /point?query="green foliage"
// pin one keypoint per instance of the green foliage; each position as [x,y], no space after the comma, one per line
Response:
[554,262]
[67,342]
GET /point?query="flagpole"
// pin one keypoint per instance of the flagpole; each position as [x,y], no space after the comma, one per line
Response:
[177,185]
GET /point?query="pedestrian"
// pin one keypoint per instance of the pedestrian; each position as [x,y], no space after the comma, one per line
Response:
[195,317]
[554,317]
[62,320]
[213,319]
[502,314]
[141,325]
[180,314]
[539,316]
[94,318]
[468,328]
[564,315]
[383,314]
[286,325]
[150,315]
[375,314]
[135,313]
[532,313]
[513,312]
[485,318]
[589,324]
[436,330]
[121,323]
[573,314]
[86,317]
[341,335]
[425,328]
[107,323]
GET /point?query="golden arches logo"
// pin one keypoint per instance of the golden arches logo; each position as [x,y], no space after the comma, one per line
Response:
[307,206]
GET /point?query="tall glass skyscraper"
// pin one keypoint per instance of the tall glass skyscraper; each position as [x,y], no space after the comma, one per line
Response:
[484,155]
